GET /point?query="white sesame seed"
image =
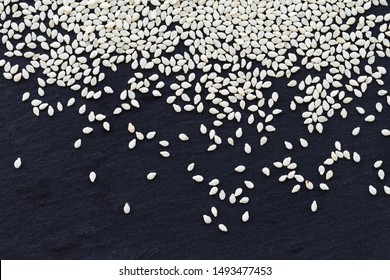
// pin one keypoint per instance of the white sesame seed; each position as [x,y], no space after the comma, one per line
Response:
[286,161]
[108,90]
[213,190]
[378,163]
[203,129]
[87,130]
[18,163]
[356,157]
[214,182]
[222,228]
[77,143]
[381,174]
[165,154]
[232,198]
[150,135]
[238,192]
[131,128]
[164,143]
[278,164]
[139,135]
[288,145]
[309,185]
[355,131]
[198,178]
[214,211]
[295,189]
[240,168]
[211,148]
[239,132]
[347,154]
[183,137]
[207,219]
[314,206]
[92,176]
[230,141]
[151,176]
[25,96]
[247,148]
[245,216]
[249,184]
[385,132]
[324,187]
[370,118]
[222,195]
[263,140]
[132,144]
[299,178]
[106,126]
[303,142]
[372,190]
[190,167]
[126,208]
[329,175]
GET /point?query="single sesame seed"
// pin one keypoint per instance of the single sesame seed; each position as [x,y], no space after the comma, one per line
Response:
[314,206]
[126,208]
[222,228]
[151,176]
[207,219]
[372,190]
[245,216]
[198,178]
[18,163]
[92,176]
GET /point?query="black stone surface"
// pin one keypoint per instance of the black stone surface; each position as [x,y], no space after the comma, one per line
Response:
[50,210]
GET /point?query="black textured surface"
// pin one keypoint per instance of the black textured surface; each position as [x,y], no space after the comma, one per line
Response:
[50,210]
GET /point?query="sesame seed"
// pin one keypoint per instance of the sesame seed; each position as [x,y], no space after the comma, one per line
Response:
[151,176]
[372,190]
[207,219]
[222,228]
[190,167]
[214,211]
[314,206]
[245,216]
[18,163]
[92,176]
[198,178]
[126,208]
[295,189]
[240,168]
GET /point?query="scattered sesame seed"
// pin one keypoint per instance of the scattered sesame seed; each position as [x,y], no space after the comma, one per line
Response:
[372,190]
[126,208]
[207,219]
[92,176]
[198,178]
[18,163]
[314,206]
[222,228]
[151,176]
[245,216]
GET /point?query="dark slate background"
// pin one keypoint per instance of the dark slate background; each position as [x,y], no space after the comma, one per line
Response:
[50,210]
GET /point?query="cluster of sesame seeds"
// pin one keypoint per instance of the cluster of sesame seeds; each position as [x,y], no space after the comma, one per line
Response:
[234,53]
[381,175]
[217,190]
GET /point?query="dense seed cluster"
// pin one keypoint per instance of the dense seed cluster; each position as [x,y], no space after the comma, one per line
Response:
[234,51]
